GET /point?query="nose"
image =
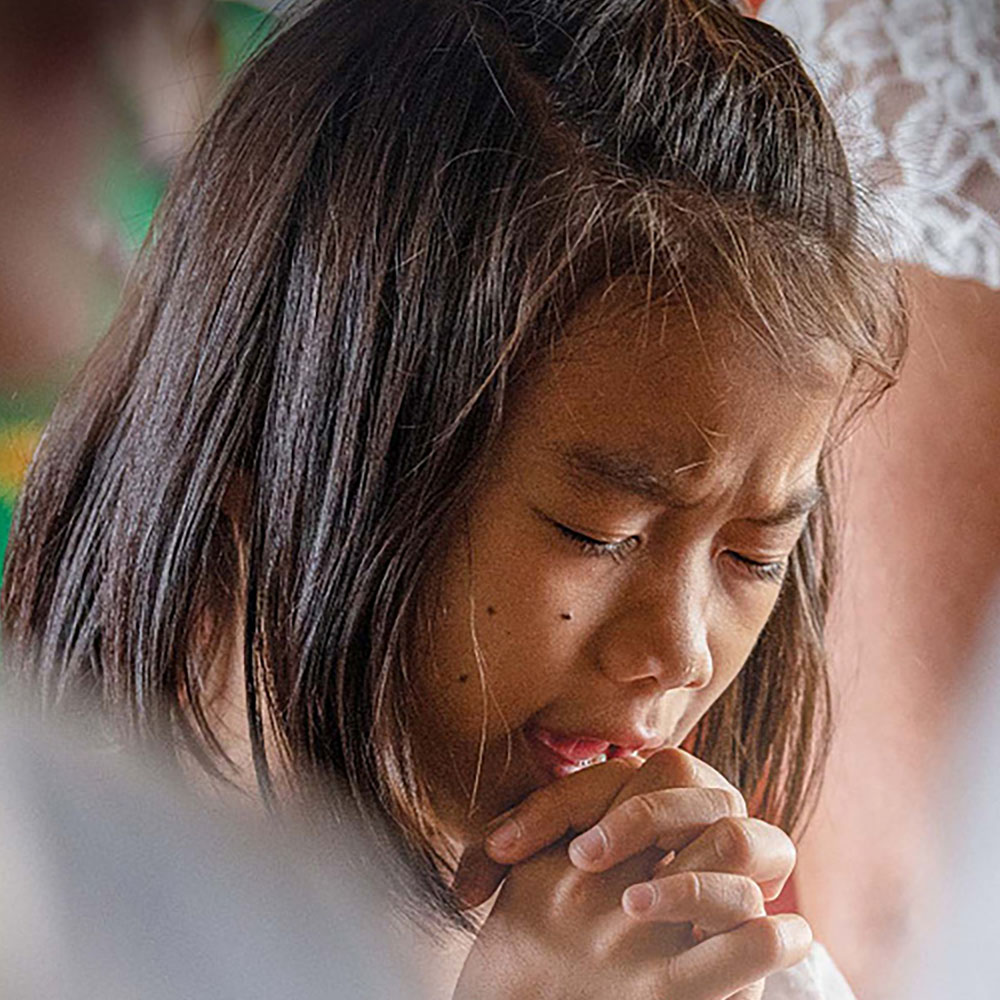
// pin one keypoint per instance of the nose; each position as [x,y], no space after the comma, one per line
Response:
[660,636]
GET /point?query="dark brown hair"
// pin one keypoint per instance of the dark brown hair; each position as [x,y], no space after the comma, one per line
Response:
[394,207]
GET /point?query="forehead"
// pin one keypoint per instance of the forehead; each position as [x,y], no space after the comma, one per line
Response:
[704,406]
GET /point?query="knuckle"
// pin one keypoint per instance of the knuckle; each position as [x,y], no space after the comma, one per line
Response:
[640,809]
[605,947]
[571,893]
[673,766]
[778,846]
[558,805]
[546,811]
[625,767]
[719,802]
[732,842]
[768,943]
[736,802]
[688,887]
[685,768]
[672,972]
[750,897]
[538,803]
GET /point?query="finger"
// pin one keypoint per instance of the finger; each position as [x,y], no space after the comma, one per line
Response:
[736,960]
[742,846]
[674,768]
[714,901]
[565,806]
[477,877]
[668,819]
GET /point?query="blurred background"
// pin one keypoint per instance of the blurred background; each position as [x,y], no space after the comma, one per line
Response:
[99,99]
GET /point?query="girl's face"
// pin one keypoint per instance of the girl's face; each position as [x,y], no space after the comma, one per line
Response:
[621,555]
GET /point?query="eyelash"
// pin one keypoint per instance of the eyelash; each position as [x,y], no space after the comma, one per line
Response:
[769,572]
[595,547]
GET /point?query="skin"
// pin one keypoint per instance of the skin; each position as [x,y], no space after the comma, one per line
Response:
[633,634]
[560,932]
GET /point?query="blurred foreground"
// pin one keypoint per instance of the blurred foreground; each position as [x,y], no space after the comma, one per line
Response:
[118,884]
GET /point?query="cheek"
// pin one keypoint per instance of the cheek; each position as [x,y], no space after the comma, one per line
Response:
[732,640]
[530,624]
[740,617]
[514,611]
[729,656]
[494,635]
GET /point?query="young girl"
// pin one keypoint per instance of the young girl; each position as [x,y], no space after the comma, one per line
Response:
[461,446]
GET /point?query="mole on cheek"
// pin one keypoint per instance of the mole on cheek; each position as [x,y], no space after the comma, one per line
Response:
[462,678]
[567,616]
[490,610]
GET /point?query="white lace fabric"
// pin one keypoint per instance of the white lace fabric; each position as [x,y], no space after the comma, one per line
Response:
[915,88]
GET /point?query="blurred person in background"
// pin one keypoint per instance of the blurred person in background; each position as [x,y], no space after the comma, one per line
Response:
[915,88]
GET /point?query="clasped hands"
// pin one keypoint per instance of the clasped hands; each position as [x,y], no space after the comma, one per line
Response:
[661,892]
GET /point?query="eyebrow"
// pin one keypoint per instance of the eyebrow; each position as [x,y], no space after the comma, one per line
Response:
[589,465]
[797,506]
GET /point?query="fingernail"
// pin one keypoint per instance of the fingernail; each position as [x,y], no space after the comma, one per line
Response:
[639,898]
[504,836]
[589,847]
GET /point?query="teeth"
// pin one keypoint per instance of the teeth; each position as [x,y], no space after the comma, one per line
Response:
[599,759]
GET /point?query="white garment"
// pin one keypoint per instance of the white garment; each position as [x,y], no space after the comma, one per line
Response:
[814,978]
[958,956]
[914,86]
[115,886]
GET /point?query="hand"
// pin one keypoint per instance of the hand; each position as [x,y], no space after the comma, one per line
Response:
[719,867]
[679,799]
[560,933]
[569,805]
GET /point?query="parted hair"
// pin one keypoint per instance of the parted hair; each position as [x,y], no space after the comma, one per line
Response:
[394,207]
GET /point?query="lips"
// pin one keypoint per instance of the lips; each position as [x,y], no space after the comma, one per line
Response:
[560,754]
[574,748]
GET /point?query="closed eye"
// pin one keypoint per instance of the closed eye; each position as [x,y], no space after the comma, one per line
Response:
[770,571]
[595,546]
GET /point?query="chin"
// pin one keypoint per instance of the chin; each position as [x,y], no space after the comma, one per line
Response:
[506,779]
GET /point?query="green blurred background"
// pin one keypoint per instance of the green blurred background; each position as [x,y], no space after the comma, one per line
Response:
[156,79]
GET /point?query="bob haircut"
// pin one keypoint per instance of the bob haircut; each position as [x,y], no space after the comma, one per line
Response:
[389,216]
